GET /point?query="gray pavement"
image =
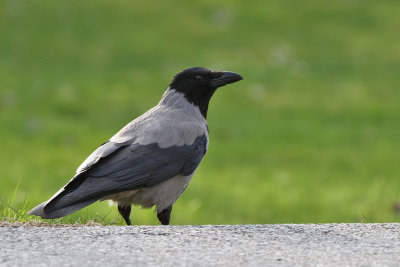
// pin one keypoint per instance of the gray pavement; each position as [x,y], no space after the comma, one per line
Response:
[225,245]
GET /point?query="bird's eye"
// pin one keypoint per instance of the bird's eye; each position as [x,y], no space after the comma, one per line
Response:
[199,78]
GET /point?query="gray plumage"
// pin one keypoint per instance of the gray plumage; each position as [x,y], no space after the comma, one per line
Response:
[148,162]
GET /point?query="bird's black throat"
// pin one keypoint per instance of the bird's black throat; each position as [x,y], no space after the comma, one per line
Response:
[196,95]
[201,101]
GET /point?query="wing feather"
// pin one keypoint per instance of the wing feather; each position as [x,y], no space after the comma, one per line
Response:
[114,168]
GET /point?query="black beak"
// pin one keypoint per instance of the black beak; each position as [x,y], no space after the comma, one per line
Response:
[222,78]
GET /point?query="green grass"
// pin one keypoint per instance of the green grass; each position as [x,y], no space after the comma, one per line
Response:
[310,136]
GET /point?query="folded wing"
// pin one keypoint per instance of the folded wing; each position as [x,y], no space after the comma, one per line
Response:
[115,168]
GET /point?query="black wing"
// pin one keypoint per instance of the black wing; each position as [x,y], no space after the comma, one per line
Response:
[122,167]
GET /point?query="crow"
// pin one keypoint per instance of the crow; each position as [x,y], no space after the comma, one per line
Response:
[151,160]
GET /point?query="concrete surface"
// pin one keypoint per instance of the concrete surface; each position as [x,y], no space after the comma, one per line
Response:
[225,245]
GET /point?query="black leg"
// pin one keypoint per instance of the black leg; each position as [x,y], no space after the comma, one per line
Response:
[164,215]
[125,211]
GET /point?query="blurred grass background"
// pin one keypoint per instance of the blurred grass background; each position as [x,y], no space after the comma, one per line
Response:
[310,136]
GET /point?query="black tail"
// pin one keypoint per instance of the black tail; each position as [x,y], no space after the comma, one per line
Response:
[77,194]
[40,210]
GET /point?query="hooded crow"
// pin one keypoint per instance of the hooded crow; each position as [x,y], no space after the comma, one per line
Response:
[151,160]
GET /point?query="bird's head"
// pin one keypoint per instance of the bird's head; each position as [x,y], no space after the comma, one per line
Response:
[199,84]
